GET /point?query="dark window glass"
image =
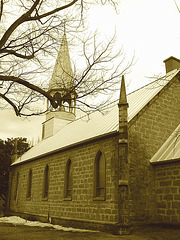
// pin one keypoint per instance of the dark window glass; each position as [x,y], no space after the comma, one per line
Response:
[68,179]
[17,187]
[46,182]
[29,184]
[99,175]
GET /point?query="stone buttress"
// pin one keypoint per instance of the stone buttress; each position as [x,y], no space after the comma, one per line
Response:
[123,171]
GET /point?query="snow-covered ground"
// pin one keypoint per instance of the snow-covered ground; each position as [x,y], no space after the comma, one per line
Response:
[20,221]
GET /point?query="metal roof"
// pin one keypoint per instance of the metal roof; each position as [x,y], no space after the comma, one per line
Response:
[96,124]
[170,150]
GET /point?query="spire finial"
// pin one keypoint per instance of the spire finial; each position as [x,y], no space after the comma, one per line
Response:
[62,76]
[123,97]
[64,25]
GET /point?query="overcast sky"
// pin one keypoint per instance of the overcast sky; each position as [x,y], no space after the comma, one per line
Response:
[150,29]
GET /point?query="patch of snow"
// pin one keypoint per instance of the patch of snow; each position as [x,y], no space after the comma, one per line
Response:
[20,221]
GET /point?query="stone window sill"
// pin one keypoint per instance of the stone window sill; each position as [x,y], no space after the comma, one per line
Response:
[68,198]
[45,199]
[99,198]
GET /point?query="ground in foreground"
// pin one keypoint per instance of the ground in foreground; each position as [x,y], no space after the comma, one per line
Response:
[12,232]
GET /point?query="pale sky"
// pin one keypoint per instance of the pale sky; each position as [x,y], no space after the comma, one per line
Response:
[148,29]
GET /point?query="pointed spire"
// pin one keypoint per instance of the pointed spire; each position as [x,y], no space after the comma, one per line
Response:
[61,88]
[123,97]
[123,110]
[62,77]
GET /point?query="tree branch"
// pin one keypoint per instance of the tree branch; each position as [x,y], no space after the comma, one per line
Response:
[38,17]
[17,54]
[177,5]
[26,17]
[18,22]
[11,103]
[30,86]
[1,9]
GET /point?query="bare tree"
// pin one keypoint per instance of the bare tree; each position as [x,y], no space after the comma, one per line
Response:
[30,34]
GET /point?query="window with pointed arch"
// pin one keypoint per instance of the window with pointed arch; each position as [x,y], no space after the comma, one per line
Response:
[68,181]
[29,184]
[17,187]
[46,183]
[99,177]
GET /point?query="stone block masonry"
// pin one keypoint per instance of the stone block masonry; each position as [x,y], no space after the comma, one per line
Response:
[167,181]
[147,132]
[82,207]
[152,190]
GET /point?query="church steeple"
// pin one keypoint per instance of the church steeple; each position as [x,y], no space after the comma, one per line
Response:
[62,77]
[61,87]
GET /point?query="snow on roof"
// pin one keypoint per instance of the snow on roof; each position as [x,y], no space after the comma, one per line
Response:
[170,150]
[96,124]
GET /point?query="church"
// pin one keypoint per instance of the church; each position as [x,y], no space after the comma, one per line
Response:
[109,171]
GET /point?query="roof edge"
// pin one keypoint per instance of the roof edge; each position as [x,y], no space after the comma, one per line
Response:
[171,57]
[157,94]
[65,148]
[166,161]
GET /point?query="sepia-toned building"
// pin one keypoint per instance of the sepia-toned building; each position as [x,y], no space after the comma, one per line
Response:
[106,171]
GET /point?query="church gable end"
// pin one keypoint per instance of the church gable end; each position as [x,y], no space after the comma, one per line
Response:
[148,130]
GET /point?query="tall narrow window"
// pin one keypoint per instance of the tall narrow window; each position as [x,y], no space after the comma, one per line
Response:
[29,184]
[99,176]
[46,182]
[68,180]
[17,187]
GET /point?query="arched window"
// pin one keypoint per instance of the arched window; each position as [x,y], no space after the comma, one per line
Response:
[66,106]
[100,176]
[17,187]
[68,180]
[29,184]
[46,182]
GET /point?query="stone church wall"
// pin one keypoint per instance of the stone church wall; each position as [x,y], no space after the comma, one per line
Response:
[168,192]
[147,132]
[82,207]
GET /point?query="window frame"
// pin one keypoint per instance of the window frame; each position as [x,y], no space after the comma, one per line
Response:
[16,187]
[68,181]
[45,190]
[96,195]
[29,185]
